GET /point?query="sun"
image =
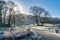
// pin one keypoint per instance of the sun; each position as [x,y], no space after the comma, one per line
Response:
[18,7]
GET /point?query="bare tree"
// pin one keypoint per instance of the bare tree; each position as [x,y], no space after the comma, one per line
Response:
[5,11]
[1,8]
[14,16]
[37,11]
[47,16]
[13,19]
[11,6]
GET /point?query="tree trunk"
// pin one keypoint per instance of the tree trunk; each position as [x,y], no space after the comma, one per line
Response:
[4,19]
[42,24]
[9,18]
[37,23]
[14,21]
[0,18]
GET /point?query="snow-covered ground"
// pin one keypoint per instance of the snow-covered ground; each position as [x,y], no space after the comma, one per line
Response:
[46,35]
[48,29]
[11,32]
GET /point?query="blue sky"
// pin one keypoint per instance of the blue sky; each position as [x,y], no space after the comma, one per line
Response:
[53,6]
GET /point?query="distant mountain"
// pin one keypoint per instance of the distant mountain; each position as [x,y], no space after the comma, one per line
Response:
[54,20]
[23,19]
